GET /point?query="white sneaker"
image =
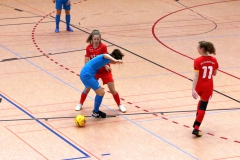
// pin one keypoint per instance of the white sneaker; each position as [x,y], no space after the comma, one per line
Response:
[122,108]
[78,107]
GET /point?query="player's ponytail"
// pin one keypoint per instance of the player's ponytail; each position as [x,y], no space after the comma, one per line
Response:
[208,47]
[90,37]
[117,54]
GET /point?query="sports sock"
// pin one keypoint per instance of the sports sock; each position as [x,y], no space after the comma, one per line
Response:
[68,17]
[117,98]
[57,20]
[83,97]
[97,103]
[200,114]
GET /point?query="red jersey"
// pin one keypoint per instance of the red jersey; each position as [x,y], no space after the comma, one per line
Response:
[205,65]
[93,52]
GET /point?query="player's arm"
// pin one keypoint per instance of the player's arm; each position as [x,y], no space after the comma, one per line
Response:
[214,72]
[195,79]
[107,56]
[86,59]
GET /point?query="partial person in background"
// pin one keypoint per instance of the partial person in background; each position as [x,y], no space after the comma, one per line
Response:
[66,5]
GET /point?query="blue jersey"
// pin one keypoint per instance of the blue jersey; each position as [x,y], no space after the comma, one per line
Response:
[92,66]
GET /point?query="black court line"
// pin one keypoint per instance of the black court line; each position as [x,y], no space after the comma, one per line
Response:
[19,10]
[25,23]
[137,55]
[19,17]
[49,54]
[200,16]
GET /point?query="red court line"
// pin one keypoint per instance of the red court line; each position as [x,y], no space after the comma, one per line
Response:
[74,141]
[210,134]
[153,32]
[165,68]
[176,91]
[224,138]
[26,143]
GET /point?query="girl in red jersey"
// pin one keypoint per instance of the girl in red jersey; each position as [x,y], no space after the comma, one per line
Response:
[205,67]
[95,48]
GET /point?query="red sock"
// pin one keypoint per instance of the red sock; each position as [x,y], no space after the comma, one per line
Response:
[83,98]
[117,99]
[199,118]
[198,106]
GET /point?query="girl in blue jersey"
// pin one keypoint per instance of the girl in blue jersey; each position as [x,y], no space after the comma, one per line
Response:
[65,4]
[87,76]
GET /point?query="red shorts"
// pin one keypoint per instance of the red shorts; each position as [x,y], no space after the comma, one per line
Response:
[105,76]
[205,92]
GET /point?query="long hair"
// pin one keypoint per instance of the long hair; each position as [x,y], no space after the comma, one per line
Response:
[90,37]
[208,47]
[117,54]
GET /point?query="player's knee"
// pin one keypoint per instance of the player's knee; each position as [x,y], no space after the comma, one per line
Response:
[113,92]
[67,12]
[203,105]
[58,12]
[102,93]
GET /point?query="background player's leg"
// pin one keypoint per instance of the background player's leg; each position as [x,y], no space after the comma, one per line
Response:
[116,97]
[200,116]
[83,98]
[68,16]
[57,19]
[58,14]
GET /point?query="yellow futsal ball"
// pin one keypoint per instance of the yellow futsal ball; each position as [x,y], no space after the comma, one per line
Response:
[80,120]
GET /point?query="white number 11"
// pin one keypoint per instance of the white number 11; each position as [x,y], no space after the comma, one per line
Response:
[205,71]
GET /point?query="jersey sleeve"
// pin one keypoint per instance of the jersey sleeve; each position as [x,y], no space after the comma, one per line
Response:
[196,65]
[216,67]
[104,49]
[87,53]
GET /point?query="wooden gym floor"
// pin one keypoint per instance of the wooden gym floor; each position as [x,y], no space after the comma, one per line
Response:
[38,78]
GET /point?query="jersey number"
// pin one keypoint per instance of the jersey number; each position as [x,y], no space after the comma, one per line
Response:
[205,68]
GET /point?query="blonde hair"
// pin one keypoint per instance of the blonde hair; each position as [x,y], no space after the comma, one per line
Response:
[90,37]
[208,47]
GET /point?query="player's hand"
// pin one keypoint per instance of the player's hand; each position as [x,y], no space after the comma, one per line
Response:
[69,2]
[118,62]
[109,69]
[194,94]
[53,1]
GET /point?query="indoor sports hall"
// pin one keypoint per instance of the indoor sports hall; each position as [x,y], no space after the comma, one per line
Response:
[40,85]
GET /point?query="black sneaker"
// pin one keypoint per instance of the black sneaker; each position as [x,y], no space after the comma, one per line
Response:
[99,114]
[196,133]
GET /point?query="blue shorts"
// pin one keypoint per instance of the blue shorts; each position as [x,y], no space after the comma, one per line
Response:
[62,4]
[90,82]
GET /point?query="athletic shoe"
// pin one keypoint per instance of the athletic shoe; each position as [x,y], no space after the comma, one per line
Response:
[122,108]
[99,114]
[69,29]
[57,30]
[197,133]
[78,107]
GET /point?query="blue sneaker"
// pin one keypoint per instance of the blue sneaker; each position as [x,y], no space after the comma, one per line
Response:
[57,30]
[69,29]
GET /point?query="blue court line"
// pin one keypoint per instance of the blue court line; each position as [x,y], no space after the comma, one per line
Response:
[157,136]
[58,135]
[190,115]
[106,154]
[75,158]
